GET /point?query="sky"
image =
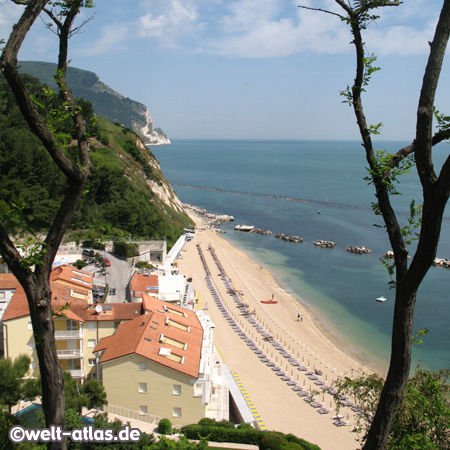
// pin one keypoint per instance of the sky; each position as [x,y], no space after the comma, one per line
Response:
[249,69]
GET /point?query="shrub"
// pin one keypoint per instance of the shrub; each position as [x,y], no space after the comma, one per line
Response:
[272,441]
[244,426]
[165,426]
[79,264]
[126,249]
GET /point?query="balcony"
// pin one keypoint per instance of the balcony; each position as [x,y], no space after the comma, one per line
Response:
[78,373]
[69,354]
[65,335]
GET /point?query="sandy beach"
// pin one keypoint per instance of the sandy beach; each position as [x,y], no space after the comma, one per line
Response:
[276,402]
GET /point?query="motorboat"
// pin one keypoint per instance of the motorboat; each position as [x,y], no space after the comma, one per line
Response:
[381,299]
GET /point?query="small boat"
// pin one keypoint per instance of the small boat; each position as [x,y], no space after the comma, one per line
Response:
[381,299]
[269,301]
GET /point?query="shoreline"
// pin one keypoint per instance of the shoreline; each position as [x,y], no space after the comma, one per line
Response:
[323,324]
[305,340]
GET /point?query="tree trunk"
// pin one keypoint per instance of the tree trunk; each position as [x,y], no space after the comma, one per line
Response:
[36,284]
[52,377]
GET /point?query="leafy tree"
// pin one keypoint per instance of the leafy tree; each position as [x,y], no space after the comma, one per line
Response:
[95,394]
[13,387]
[384,170]
[89,395]
[424,413]
[33,268]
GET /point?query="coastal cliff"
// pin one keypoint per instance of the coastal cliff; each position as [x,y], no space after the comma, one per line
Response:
[106,101]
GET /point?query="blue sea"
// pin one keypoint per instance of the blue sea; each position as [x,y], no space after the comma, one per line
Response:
[316,190]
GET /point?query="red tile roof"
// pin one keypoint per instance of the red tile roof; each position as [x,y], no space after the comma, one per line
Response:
[79,310]
[142,336]
[18,306]
[72,275]
[144,284]
[8,281]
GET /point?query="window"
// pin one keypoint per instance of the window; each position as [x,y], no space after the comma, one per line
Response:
[91,326]
[73,364]
[31,345]
[91,362]
[175,324]
[30,327]
[143,388]
[176,389]
[91,343]
[2,295]
[33,365]
[71,325]
[142,410]
[143,366]
[171,341]
[176,412]
[116,325]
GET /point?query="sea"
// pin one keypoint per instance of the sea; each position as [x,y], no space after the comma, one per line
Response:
[317,190]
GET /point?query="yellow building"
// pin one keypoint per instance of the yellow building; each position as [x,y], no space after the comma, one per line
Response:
[76,334]
[161,365]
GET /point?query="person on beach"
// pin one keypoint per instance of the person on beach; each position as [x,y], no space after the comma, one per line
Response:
[298,317]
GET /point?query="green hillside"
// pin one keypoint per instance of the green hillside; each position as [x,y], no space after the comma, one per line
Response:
[106,102]
[120,198]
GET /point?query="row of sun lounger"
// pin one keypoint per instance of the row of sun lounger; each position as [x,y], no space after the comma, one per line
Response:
[266,336]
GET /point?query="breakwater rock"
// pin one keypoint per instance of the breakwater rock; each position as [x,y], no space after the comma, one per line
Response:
[287,238]
[324,244]
[252,229]
[259,231]
[355,249]
[442,262]
[214,220]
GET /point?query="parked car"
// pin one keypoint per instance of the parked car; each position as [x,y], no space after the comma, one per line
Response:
[107,262]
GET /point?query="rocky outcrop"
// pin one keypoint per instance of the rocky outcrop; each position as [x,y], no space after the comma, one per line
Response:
[143,125]
[355,249]
[442,262]
[324,244]
[288,238]
[214,219]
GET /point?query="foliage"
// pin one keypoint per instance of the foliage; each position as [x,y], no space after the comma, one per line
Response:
[89,395]
[225,431]
[143,265]
[181,444]
[95,393]
[80,263]
[93,243]
[165,426]
[424,414]
[7,420]
[117,200]
[13,387]
[126,249]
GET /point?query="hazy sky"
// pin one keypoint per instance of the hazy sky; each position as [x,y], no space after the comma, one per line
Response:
[262,69]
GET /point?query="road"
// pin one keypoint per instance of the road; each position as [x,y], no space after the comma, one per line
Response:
[117,276]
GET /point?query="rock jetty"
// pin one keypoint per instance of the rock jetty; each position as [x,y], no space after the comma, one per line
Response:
[214,220]
[442,262]
[324,244]
[355,249]
[259,231]
[288,238]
